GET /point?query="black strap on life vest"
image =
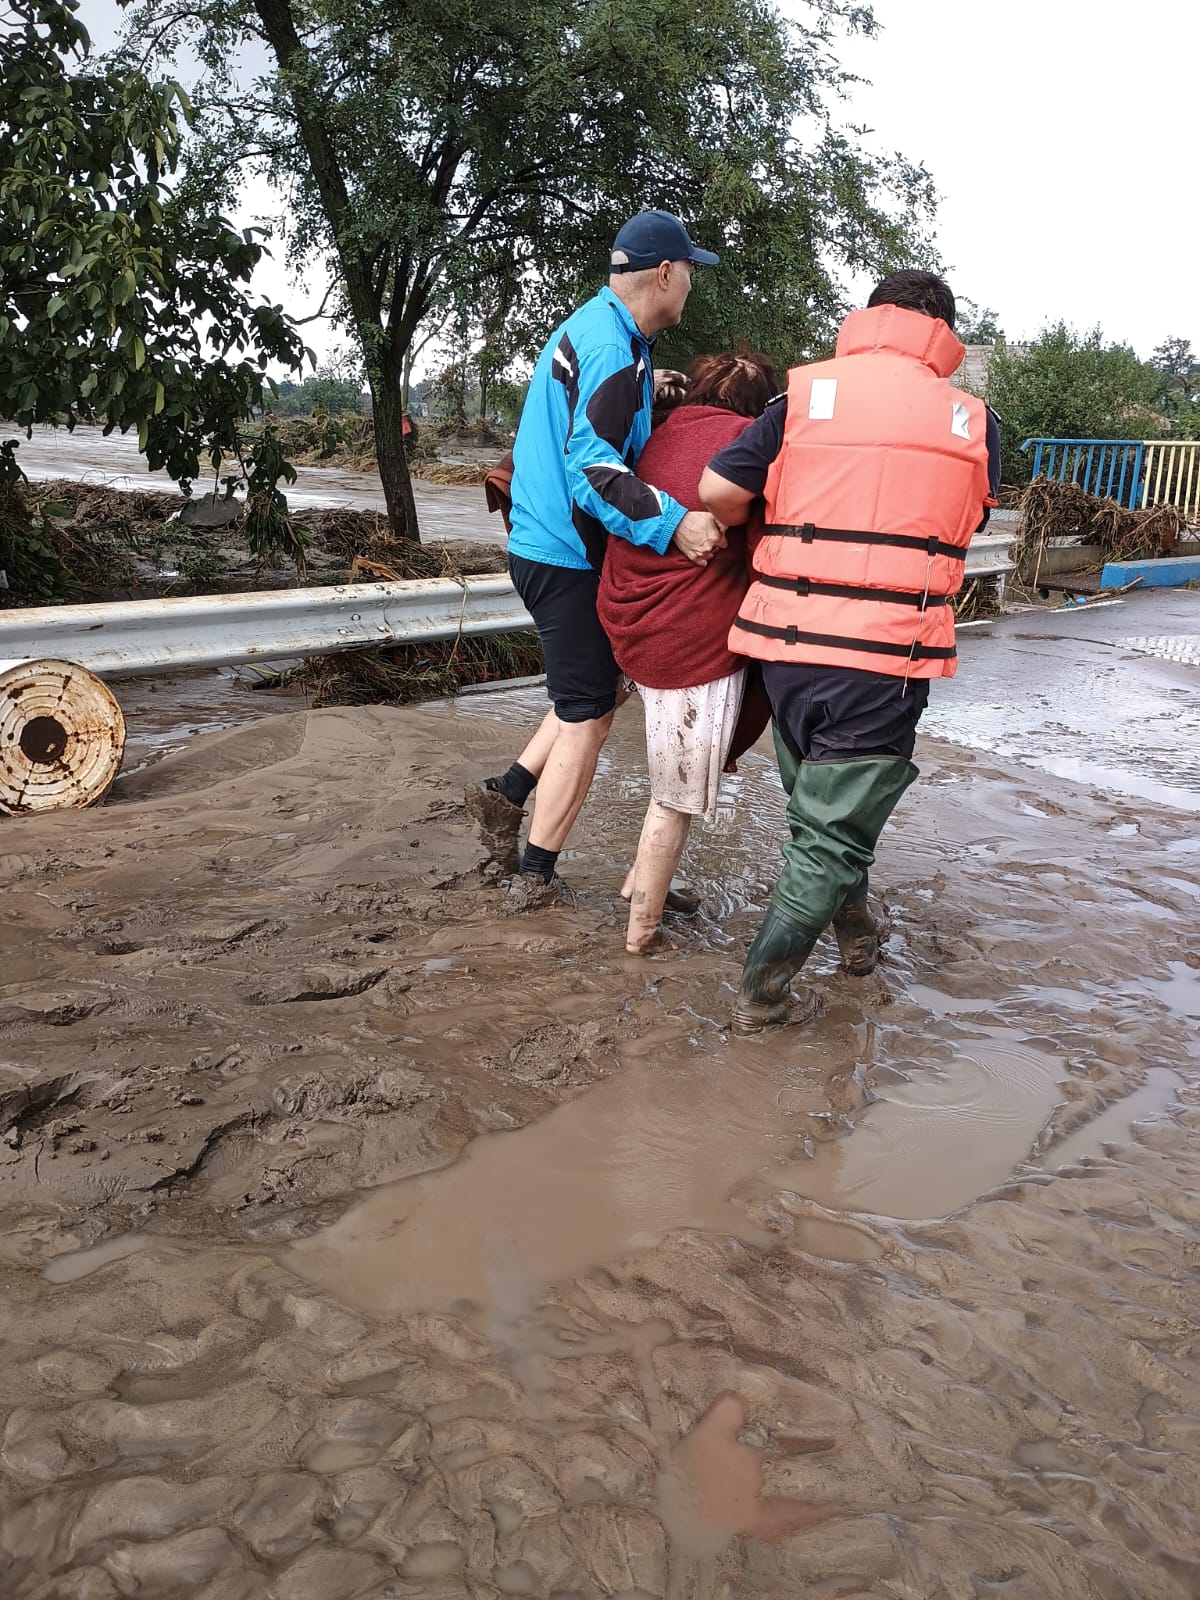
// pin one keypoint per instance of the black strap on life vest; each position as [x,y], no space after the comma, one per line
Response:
[833,641]
[806,532]
[852,591]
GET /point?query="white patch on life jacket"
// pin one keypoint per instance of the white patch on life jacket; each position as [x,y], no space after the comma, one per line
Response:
[960,421]
[561,360]
[821,399]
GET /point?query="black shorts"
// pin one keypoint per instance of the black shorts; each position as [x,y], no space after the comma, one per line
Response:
[840,713]
[581,672]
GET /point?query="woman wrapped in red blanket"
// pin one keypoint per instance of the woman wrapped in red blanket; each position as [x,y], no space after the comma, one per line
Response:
[669,620]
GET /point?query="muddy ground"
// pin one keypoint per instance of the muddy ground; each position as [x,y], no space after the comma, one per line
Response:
[360,1240]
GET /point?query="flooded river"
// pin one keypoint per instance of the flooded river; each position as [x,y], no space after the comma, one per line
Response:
[446,511]
[361,1240]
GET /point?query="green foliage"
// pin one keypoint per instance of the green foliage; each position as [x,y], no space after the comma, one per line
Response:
[453,390]
[456,164]
[1069,385]
[33,572]
[319,394]
[1179,390]
[334,389]
[1175,357]
[270,531]
[975,324]
[507,399]
[121,298]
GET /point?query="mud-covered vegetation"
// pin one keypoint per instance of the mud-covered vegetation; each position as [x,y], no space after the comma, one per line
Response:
[69,541]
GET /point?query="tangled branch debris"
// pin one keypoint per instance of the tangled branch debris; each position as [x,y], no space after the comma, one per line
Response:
[1051,510]
[418,671]
[978,598]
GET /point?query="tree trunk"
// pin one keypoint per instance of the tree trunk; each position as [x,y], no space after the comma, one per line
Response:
[406,380]
[388,417]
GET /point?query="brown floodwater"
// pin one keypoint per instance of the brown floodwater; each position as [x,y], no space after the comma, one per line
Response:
[358,1239]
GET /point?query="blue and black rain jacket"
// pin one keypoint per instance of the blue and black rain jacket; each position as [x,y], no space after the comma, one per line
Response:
[586,419]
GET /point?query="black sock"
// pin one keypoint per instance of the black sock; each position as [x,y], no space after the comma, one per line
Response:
[516,785]
[539,863]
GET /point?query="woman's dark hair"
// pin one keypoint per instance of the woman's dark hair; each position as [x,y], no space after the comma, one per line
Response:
[917,291]
[738,383]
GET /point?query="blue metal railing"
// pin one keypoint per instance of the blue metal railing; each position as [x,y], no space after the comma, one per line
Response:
[1112,468]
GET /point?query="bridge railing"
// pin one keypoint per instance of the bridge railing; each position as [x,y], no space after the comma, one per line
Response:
[1137,473]
[1111,468]
[1171,476]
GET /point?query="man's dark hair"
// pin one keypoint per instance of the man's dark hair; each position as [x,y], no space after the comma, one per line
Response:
[917,291]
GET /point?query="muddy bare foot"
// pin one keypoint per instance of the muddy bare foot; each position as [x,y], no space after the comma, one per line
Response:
[681,897]
[654,944]
[499,825]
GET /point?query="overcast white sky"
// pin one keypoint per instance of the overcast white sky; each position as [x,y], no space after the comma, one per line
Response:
[1062,138]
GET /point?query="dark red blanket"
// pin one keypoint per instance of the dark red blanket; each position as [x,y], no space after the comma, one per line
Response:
[668,620]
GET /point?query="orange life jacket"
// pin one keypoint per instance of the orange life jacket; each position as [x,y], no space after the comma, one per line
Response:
[871,503]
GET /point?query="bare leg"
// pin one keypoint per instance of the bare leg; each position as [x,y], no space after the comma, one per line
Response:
[537,752]
[664,834]
[565,779]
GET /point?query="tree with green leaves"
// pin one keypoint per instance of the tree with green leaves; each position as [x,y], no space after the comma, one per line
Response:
[1179,386]
[335,388]
[1067,385]
[447,160]
[1175,357]
[975,324]
[123,300]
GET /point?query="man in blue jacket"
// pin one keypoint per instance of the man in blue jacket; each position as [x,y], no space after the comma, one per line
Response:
[585,421]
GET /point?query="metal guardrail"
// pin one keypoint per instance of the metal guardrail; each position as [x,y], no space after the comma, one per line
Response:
[131,637]
[126,638]
[1137,473]
[990,555]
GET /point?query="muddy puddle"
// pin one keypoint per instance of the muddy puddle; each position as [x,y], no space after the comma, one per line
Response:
[360,1240]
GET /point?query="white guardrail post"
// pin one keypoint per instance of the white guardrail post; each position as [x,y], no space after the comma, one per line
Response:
[126,638]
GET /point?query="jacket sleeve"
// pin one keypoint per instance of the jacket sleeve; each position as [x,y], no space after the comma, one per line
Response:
[607,398]
[993,449]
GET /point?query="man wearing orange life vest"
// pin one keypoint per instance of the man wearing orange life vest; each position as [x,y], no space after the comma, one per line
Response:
[875,472]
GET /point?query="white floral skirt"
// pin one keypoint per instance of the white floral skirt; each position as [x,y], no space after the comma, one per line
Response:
[688,735]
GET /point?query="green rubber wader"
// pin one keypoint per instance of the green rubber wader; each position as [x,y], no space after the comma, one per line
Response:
[836,812]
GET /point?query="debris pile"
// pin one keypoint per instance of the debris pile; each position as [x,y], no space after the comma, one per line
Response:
[1051,510]
[412,672]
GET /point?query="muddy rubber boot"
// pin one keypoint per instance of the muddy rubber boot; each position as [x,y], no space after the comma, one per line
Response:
[765,1000]
[498,822]
[857,935]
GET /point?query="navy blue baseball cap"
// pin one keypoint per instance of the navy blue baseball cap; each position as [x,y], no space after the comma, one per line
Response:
[651,238]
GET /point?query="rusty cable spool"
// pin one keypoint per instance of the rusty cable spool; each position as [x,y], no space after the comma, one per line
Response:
[62,737]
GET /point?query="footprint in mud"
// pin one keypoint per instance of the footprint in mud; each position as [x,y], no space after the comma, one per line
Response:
[563,1053]
[290,988]
[711,1488]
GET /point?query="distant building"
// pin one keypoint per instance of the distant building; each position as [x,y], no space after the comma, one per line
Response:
[973,374]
